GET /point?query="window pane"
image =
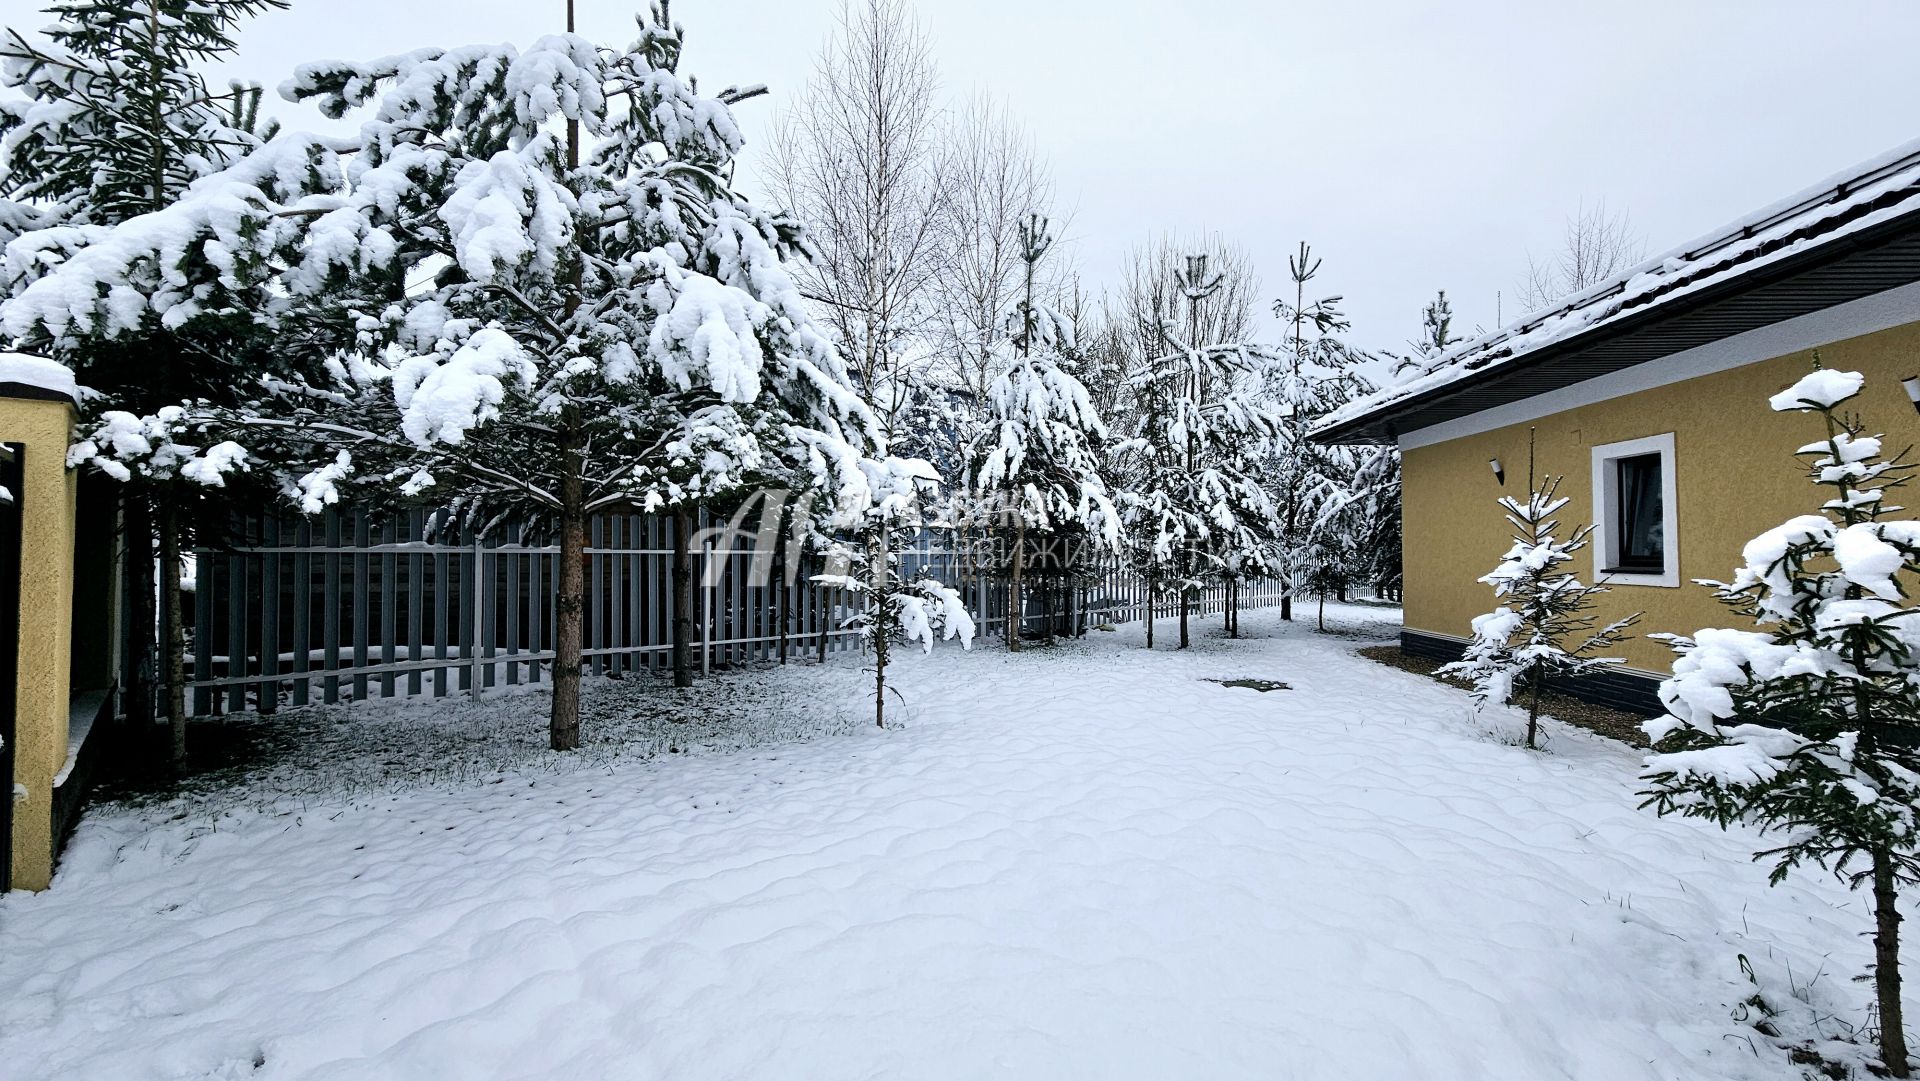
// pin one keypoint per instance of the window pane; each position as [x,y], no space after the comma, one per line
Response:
[1640,523]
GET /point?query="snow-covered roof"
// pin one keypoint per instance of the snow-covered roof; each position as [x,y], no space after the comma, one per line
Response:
[1870,194]
[38,373]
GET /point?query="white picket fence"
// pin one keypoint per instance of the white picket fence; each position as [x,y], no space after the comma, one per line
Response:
[351,605]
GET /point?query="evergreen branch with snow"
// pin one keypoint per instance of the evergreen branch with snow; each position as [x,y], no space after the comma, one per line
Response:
[1805,726]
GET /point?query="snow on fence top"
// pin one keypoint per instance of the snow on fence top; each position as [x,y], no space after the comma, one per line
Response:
[39,373]
[1872,192]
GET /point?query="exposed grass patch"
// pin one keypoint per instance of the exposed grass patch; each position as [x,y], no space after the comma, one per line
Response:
[1612,723]
[1261,685]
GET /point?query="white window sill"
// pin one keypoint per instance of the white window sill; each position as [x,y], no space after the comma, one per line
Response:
[1631,578]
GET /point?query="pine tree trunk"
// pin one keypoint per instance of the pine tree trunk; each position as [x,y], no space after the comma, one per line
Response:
[1533,706]
[1886,966]
[175,651]
[1286,601]
[1323,613]
[570,608]
[880,579]
[1015,611]
[682,651]
[826,621]
[563,724]
[782,589]
[137,529]
[1186,602]
[1152,595]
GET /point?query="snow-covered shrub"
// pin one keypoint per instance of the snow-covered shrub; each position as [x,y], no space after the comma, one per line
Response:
[1808,726]
[1546,629]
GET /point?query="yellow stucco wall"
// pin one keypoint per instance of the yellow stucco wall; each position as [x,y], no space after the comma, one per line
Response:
[1735,476]
[46,613]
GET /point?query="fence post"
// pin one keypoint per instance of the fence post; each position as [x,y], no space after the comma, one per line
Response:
[479,620]
[706,607]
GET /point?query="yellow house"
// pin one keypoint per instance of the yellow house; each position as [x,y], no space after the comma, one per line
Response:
[58,638]
[1648,394]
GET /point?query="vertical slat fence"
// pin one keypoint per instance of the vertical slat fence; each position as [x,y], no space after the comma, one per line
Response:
[359,605]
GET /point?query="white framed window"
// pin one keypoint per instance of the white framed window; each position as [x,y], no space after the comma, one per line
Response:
[1636,528]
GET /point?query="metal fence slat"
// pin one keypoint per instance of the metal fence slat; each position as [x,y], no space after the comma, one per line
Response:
[536,609]
[511,605]
[330,610]
[236,626]
[302,610]
[416,594]
[205,567]
[362,594]
[267,697]
[389,601]
[442,600]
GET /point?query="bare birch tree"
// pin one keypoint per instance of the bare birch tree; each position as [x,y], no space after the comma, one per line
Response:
[995,177]
[859,160]
[1598,244]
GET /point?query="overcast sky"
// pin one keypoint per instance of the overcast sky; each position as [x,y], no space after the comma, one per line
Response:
[1415,145]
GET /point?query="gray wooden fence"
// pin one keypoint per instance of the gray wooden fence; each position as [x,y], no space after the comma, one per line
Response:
[355,605]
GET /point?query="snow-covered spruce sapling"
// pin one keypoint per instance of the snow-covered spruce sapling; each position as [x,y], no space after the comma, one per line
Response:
[1037,465]
[1546,629]
[919,609]
[110,118]
[1808,726]
[536,292]
[1329,558]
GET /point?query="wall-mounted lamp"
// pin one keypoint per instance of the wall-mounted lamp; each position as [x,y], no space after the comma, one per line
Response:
[1912,383]
[1499,472]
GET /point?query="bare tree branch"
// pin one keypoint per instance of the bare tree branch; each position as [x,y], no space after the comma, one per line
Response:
[1598,245]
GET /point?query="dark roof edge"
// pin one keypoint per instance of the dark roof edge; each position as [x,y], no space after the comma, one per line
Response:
[1380,422]
[33,392]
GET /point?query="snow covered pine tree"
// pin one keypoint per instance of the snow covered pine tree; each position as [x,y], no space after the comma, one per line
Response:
[1316,376]
[1037,465]
[1810,725]
[1527,639]
[1204,423]
[520,327]
[115,122]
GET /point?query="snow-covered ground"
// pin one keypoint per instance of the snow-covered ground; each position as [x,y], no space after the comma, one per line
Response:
[1085,862]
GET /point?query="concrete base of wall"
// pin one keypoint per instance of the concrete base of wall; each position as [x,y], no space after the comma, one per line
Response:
[89,724]
[1632,692]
